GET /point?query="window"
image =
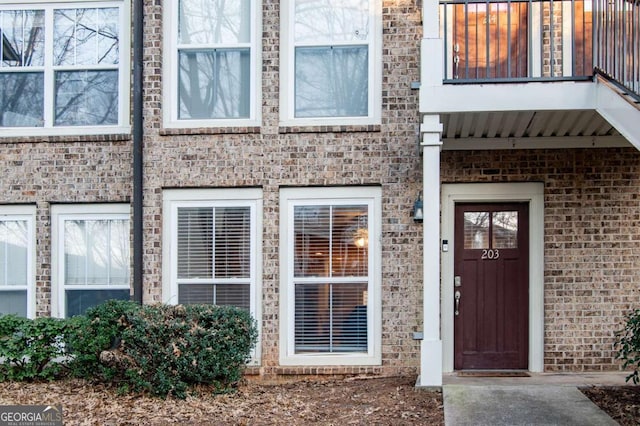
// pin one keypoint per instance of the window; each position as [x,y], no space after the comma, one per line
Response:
[330,293]
[331,62]
[212,247]
[17,245]
[213,63]
[64,67]
[91,260]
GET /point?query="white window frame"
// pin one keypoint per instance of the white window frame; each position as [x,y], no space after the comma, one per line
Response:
[289,199]
[170,73]
[123,67]
[287,71]
[61,213]
[28,214]
[236,197]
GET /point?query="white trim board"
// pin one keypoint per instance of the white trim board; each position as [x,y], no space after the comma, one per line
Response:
[499,192]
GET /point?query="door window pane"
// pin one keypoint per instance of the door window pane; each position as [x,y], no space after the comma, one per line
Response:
[214,21]
[214,84]
[476,230]
[331,81]
[505,230]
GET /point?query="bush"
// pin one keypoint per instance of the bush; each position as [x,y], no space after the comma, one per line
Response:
[98,330]
[163,349]
[628,342]
[29,348]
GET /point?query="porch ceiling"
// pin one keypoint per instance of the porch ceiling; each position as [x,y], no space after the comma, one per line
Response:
[528,129]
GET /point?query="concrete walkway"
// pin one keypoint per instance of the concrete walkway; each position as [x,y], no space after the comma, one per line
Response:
[543,399]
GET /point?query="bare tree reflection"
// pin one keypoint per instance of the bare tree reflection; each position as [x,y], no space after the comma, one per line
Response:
[214,82]
[81,38]
[331,58]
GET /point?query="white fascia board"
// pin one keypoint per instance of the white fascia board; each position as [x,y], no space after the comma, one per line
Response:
[532,96]
[619,112]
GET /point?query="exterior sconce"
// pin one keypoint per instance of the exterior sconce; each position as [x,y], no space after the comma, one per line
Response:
[418,214]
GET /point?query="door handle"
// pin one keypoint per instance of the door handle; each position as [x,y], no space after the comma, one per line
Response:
[457,296]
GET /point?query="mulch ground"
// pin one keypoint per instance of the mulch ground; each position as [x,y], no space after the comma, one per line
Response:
[622,403]
[352,401]
[357,401]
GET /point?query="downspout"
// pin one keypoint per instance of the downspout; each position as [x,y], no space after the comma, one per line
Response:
[137,150]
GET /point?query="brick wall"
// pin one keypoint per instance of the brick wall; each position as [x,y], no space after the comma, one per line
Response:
[271,157]
[44,171]
[592,237]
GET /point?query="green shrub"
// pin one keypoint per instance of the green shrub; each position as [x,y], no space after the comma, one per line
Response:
[173,347]
[29,348]
[162,349]
[628,343]
[98,330]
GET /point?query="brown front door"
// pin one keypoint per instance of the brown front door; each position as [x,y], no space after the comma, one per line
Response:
[491,286]
[490,40]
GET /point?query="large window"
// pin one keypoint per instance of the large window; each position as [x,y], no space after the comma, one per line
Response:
[212,247]
[331,61]
[212,65]
[330,289]
[16,260]
[64,67]
[91,247]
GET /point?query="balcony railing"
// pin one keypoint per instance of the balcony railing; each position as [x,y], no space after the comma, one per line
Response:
[517,40]
[617,42]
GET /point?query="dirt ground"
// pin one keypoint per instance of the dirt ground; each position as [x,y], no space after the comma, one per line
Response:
[352,401]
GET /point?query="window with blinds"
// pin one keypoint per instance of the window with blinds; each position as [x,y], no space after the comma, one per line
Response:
[214,255]
[331,278]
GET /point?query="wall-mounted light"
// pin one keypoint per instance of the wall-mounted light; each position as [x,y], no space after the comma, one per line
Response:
[418,213]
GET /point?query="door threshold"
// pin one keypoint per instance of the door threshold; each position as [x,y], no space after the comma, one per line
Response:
[492,373]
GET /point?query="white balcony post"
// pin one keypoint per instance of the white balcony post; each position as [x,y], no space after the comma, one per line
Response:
[431,349]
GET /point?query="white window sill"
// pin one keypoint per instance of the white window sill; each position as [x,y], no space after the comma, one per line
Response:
[330,359]
[27,132]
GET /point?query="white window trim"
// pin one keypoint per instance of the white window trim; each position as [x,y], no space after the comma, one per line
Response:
[290,197]
[60,213]
[123,68]
[175,198]
[170,73]
[287,72]
[27,213]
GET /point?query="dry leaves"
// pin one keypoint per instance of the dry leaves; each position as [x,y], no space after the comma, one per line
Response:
[622,403]
[357,401]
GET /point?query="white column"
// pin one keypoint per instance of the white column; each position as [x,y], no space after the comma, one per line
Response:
[431,349]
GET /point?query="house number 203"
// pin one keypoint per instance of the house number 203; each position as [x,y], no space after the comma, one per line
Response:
[490,254]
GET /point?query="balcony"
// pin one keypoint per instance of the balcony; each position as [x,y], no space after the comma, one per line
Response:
[525,73]
[516,41]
